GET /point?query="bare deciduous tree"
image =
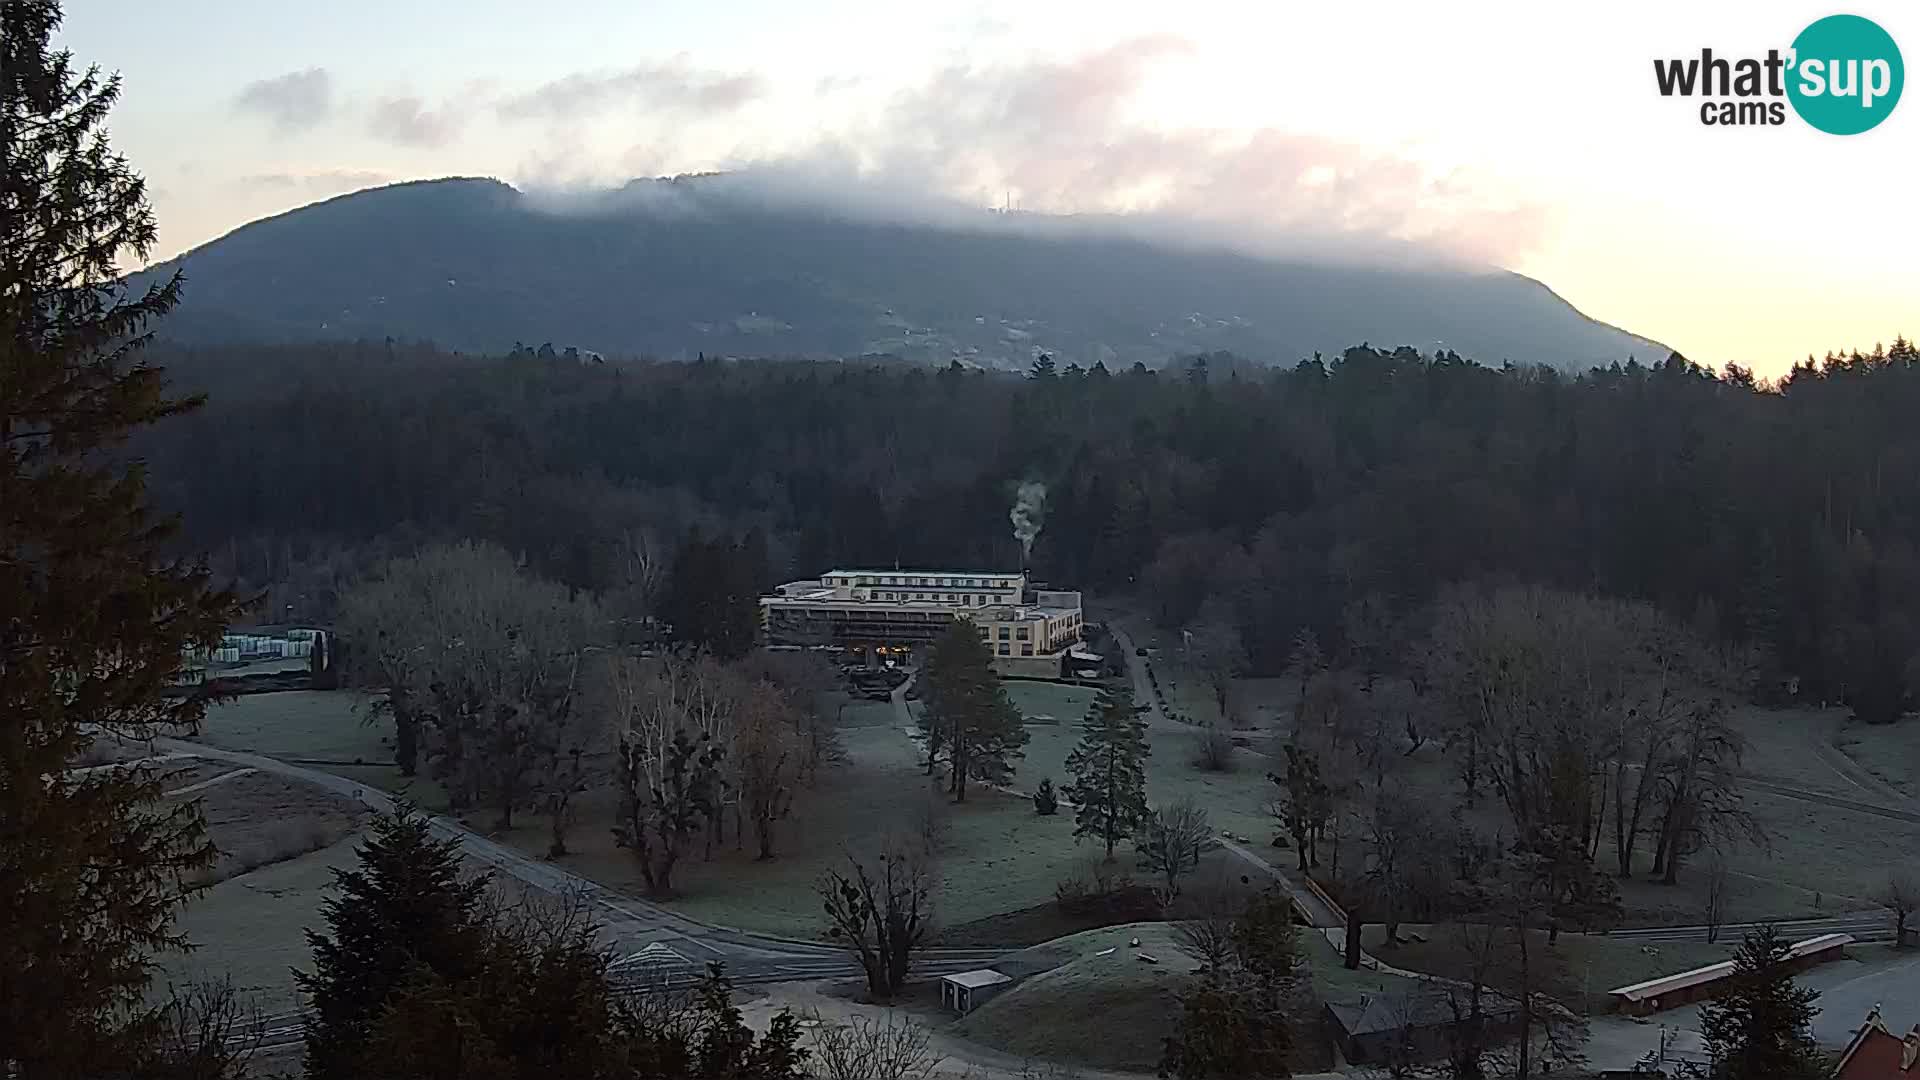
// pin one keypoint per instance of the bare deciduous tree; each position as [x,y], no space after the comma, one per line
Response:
[1570,707]
[1171,843]
[668,768]
[864,1048]
[203,1032]
[881,911]
[1404,858]
[485,661]
[1213,648]
[1714,907]
[767,760]
[932,822]
[380,620]
[811,687]
[1213,747]
[1900,894]
[1205,923]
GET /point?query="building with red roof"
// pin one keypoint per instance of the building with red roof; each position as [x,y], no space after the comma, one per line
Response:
[1876,1053]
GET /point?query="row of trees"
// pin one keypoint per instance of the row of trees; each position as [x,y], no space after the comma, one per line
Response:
[518,694]
[700,744]
[1575,710]
[1597,726]
[481,668]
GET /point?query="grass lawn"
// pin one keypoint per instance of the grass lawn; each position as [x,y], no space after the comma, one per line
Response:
[1333,981]
[1113,1011]
[1000,858]
[1891,752]
[1045,704]
[315,725]
[998,855]
[252,928]
[256,818]
[1840,855]
[1107,1012]
[1235,800]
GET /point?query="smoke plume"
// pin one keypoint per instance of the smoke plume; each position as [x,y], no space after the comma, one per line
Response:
[1028,514]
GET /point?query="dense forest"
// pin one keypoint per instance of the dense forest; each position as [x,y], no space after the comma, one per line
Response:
[1336,496]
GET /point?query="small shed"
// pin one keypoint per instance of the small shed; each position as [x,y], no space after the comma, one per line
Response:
[968,989]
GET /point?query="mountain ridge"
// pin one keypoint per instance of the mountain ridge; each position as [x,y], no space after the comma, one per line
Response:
[683,266]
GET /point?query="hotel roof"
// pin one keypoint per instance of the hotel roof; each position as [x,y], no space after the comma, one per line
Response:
[914,572]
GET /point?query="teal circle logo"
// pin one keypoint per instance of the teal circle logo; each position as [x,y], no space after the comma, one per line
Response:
[1847,74]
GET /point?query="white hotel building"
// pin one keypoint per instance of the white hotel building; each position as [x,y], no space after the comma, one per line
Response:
[1029,630]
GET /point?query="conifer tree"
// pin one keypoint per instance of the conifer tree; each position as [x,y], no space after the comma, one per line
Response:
[978,722]
[1760,1028]
[95,619]
[401,919]
[1108,767]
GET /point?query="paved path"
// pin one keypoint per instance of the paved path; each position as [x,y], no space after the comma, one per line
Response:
[1865,926]
[1316,911]
[203,785]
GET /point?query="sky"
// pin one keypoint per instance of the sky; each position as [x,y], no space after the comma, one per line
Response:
[1524,135]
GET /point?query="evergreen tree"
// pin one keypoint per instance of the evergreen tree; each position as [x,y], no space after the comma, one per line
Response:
[427,977]
[1234,1022]
[981,728]
[1108,767]
[712,594]
[1759,1029]
[1046,802]
[402,926]
[95,620]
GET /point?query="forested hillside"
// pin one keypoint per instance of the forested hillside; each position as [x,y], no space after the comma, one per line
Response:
[1334,496]
[674,268]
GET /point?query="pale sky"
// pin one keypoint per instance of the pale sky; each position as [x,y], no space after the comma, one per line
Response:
[1529,134]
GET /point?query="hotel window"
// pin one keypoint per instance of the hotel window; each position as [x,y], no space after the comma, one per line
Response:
[1026,650]
[1004,632]
[1024,633]
[1002,650]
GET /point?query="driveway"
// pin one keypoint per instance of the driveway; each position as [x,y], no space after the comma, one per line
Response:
[1881,976]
